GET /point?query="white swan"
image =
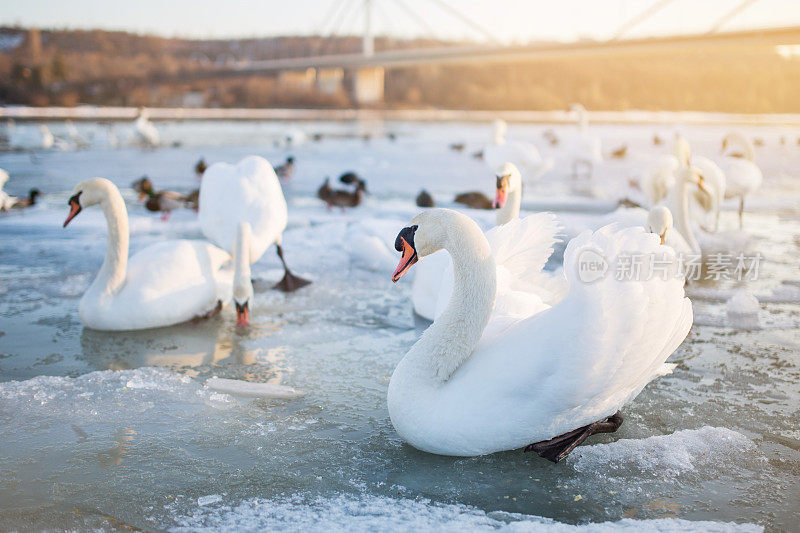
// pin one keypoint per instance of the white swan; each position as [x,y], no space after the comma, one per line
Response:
[242,283]
[146,132]
[713,178]
[248,191]
[166,283]
[468,387]
[742,175]
[6,200]
[661,222]
[524,155]
[30,138]
[581,148]
[430,273]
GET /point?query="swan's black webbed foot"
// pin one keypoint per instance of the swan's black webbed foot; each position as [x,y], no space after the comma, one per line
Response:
[290,282]
[559,447]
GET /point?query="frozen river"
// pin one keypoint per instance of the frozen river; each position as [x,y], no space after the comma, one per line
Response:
[119,430]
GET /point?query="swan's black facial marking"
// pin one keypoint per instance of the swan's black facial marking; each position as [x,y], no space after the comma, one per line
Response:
[242,313]
[502,180]
[405,244]
[502,191]
[75,207]
[406,234]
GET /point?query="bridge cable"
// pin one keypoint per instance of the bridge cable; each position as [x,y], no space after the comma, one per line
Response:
[638,19]
[343,15]
[724,19]
[416,17]
[336,6]
[466,20]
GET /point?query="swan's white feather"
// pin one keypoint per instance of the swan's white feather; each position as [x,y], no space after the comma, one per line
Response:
[167,283]
[521,247]
[742,176]
[246,192]
[559,369]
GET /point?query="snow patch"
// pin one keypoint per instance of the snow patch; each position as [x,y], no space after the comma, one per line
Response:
[378,513]
[667,456]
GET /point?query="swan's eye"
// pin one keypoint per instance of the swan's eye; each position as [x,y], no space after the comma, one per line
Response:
[75,198]
[406,234]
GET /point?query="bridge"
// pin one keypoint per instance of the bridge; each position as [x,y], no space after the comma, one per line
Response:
[363,72]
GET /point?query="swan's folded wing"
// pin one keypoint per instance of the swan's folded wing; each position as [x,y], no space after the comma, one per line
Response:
[522,247]
[584,358]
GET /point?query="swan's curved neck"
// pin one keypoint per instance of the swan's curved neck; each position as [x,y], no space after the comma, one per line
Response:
[499,137]
[680,208]
[112,274]
[453,336]
[510,210]
[241,274]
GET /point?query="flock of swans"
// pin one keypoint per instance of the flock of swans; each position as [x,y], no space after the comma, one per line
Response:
[516,356]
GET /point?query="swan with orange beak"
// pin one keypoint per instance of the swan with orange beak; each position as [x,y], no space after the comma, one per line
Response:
[242,283]
[404,243]
[509,193]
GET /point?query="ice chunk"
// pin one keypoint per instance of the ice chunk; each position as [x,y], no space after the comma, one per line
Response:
[246,388]
[208,500]
[743,309]
[662,455]
[355,513]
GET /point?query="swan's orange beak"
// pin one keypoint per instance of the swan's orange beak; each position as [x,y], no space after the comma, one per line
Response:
[500,198]
[74,209]
[242,313]
[407,260]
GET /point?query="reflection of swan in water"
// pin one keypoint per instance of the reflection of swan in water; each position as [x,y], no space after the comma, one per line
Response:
[123,439]
[174,347]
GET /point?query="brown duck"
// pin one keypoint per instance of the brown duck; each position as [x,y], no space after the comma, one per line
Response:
[163,202]
[342,197]
[474,199]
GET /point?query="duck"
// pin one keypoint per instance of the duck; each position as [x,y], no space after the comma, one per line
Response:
[524,155]
[164,202]
[24,203]
[743,176]
[286,170]
[424,199]
[551,137]
[200,167]
[166,283]
[146,132]
[457,147]
[248,191]
[341,197]
[474,199]
[498,370]
[620,152]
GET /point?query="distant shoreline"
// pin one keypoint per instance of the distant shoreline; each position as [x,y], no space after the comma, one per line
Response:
[98,113]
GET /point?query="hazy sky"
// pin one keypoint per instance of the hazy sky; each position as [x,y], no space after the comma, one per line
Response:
[507,20]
